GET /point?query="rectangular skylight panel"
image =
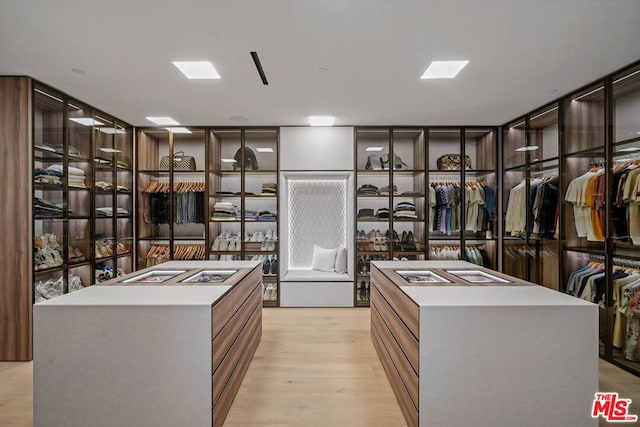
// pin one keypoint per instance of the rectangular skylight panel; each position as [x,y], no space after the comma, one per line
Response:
[444,69]
[163,121]
[197,70]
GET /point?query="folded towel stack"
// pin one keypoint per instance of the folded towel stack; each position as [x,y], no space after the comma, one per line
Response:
[269,188]
[224,211]
[405,210]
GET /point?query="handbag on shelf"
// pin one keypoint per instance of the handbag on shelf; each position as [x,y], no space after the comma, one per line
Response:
[451,162]
[180,162]
[250,160]
[398,164]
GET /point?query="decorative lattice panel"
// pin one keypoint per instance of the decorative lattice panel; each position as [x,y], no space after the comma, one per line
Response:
[317,216]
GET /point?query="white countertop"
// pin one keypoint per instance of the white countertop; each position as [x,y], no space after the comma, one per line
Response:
[207,264]
[131,295]
[424,264]
[475,296]
[487,296]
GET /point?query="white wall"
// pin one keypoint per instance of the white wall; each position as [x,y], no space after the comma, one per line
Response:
[316,148]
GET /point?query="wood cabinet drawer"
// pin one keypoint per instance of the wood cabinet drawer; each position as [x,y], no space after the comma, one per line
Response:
[236,355]
[406,309]
[222,406]
[223,341]
[224,309]
[404,400]
[407,375]
[408,343]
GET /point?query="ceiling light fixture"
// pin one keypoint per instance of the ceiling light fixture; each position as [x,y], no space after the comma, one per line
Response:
[626,77]
[178,130]
[375,148]
[544,113]
[110,150]
[517,125]
[228,160]
[48,95]
[443,69]
[86,121]
[264,150]
[111,130]
[588,93]
[163,121]
[197,70]
[528,148]
[321,120]
[630,149]
[79,71]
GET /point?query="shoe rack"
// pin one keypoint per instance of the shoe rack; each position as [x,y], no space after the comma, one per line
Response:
[235,183]
[65,159]
[82,198]
[243,200]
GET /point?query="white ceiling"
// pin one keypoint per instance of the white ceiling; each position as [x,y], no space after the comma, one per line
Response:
[522,54]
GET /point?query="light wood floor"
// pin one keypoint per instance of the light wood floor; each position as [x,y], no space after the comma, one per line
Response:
[314,367]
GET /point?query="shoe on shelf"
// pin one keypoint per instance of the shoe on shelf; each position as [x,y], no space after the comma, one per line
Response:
[265,245]
[266,266]
[272,245]
[274,266]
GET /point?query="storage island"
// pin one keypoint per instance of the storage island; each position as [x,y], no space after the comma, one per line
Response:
[165,346]
[464,345]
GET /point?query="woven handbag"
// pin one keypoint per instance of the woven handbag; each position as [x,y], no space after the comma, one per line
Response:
[180,162]
[450,162]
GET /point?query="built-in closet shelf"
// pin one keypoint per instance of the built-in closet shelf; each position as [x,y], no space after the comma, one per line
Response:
[230,221]
[156,173]
[259,252]
[589,251]
[369,172]
[84,217]
[372,220]
[270,304]
[588,153]
[47,187]
[408,173]
[239,196]
[80,264]
[225,252]
[260,172]
[54,219]
[49,270]
[79,189]
[627,141]
[366,196]
[408,220]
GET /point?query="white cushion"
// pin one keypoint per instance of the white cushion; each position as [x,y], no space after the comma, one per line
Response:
[315,276]
[341,260]
[323,259]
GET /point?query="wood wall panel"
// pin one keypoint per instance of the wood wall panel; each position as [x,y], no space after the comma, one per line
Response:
[15,245]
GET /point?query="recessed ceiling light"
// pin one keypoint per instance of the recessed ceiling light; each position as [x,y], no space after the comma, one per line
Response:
[321,120]
[163,121]
[443,69]
[375,148]
[528,148]
[264,150]
[228,160]
[178,130]
[630,149]
[197,70]
[79,71]
[111,130]
[240,119]
[86,121]
[110,150]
